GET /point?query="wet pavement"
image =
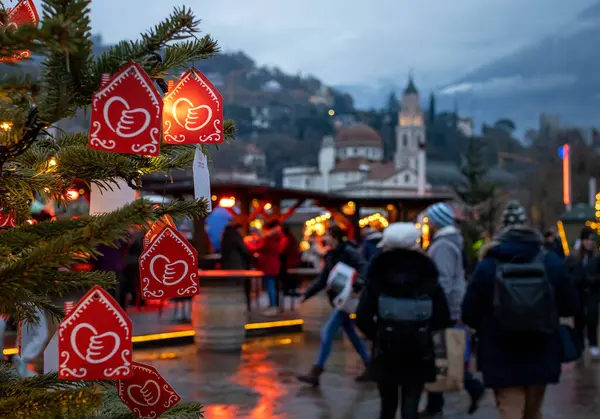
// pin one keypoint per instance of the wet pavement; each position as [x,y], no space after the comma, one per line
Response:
[260,383]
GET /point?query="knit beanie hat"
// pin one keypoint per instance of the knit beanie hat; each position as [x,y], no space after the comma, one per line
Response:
[440,214]
[513,215]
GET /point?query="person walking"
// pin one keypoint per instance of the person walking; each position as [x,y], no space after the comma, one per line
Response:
[447,252]
[344,251]
[400,281]
[515,298]
[584,268]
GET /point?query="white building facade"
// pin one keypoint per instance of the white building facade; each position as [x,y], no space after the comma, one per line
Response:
[352,162]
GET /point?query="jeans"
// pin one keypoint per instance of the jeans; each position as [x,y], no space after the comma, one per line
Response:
[435,401]
[520,402]
[411,394]
[269,286]
[339,318]
[587,318]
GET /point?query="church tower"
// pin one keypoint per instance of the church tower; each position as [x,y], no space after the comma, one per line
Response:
[410,135]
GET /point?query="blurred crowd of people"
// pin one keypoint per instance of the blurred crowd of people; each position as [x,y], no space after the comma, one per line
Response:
[510,306]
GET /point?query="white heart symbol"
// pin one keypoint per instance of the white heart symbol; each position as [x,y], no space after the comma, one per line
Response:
[168,276]
[127,118]
[150,397]
[192,122]
[96,344]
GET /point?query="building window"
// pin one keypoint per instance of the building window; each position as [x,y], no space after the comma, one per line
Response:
[405,140]
[407,178]
[307,182]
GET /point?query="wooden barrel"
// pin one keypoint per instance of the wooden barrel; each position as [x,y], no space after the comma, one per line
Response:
[219,313]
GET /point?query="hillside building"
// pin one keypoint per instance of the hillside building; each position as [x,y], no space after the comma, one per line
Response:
[353,162]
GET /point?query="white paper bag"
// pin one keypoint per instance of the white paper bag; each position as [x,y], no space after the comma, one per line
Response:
[201,177]
[340,282]
[103,201]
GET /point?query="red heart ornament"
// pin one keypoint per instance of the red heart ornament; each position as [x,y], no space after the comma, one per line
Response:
[169,267]
[193,111]
[94,340]
[147,394]
[126,114]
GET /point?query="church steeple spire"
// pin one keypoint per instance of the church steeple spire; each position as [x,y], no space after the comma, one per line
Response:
[411,88]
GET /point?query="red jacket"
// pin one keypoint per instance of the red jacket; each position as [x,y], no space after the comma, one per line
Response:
[267,248]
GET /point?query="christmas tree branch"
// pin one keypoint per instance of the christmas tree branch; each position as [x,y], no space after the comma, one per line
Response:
[179,55]
[28,269]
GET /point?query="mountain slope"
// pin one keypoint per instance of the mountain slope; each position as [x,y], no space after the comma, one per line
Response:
[559,75]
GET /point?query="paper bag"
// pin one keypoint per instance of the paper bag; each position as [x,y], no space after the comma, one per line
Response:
[449,348]
[340,283]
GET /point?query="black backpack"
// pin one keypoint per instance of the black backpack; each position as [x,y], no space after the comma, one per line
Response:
[524,304]
[403,328]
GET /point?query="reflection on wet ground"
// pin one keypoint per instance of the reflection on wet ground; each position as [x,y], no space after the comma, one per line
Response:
[259,383]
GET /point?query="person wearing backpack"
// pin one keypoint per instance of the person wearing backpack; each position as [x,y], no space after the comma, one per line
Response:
[447,253]
[400,308]
[515,298]
[343,251]
[584,268]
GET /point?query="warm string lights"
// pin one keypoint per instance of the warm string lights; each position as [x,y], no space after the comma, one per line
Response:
[316,225]
[374,219]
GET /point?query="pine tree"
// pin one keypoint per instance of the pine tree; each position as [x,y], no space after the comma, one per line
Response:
[35,164]
[477,193]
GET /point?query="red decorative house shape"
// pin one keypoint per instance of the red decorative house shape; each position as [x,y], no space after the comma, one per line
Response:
[147,394]
[193,111]
[169,267]
[7,219]
[24,12]
[126,114]
[94,340]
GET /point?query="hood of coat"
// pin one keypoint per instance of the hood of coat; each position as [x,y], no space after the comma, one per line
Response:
[401,267]
[450,233]
[515,244]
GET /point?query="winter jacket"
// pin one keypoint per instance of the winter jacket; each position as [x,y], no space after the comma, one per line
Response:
[345,252]
[369,247]
[267,248]
[446,251]
[505,365]
[585,273]
[401,273]
[234,252]
[289,253]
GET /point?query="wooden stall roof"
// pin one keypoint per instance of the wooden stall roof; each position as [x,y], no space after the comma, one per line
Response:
[184,185]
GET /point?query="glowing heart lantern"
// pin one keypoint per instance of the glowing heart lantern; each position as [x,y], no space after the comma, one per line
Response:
[94,340]
[127,114]
[147,394]
[193,111]
[23,13]
[169,267]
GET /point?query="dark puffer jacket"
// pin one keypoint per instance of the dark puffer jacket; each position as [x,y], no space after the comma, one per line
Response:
[401,273]
[345,252]
[514,365]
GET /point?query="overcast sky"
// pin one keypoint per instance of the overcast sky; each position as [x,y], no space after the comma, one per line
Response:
[357,41]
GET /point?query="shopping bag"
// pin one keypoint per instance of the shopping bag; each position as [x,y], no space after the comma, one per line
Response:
[450,346]
[340,283]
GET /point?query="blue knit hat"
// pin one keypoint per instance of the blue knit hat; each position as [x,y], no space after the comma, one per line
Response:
[440,214]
